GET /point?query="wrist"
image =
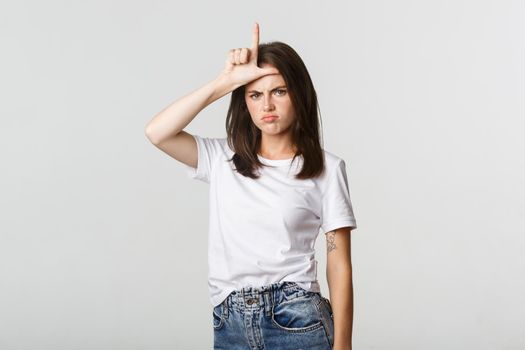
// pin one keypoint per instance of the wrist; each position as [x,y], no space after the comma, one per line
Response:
[224,84]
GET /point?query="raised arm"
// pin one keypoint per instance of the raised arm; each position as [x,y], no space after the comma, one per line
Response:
[165,130]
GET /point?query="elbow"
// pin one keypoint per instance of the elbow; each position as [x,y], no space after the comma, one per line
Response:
[149,134]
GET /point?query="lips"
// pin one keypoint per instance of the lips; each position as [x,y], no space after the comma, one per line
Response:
[269,117]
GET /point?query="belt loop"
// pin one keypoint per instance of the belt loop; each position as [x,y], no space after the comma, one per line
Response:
[267,304]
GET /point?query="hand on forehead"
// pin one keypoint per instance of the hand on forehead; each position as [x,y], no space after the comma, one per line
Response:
[267,83]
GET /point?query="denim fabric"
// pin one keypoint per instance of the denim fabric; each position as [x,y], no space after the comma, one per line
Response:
[280,316]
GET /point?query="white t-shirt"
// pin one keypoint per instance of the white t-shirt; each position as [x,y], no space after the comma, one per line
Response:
[263,231]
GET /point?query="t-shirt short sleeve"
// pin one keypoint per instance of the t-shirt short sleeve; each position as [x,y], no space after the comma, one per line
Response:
[337,208]
[209,149]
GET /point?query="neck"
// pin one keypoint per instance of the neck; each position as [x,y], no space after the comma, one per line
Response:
[277,147]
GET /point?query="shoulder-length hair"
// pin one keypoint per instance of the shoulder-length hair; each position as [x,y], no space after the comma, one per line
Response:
[244,137]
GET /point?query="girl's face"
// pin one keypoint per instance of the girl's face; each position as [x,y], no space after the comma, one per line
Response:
[268,96]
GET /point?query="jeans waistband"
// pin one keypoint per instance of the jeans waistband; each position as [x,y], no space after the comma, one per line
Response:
[251,297]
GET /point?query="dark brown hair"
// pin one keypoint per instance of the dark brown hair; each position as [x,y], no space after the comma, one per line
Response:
[245,138]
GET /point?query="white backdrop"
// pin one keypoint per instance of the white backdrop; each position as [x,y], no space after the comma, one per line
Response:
[103,237]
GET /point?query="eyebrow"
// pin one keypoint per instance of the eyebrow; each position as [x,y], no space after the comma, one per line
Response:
[279,87]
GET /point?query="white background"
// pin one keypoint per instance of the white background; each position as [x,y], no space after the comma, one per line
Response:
[103,238]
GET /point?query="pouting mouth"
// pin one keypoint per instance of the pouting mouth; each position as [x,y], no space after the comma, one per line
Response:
[269,116]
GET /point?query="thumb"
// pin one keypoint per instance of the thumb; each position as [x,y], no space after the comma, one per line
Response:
[268,71]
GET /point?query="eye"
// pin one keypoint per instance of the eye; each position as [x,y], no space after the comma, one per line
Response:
[254,95]
[280,92]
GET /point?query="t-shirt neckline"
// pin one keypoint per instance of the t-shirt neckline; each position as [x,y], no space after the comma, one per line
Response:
[274,161]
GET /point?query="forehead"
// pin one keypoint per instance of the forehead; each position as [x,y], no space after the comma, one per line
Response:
[266,83]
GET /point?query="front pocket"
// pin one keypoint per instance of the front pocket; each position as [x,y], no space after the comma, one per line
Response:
[218,320]
[297,315]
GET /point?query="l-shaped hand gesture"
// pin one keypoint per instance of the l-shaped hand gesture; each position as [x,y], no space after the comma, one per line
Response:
[241,63]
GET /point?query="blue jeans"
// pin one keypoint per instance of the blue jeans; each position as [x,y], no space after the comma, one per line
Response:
[279,316]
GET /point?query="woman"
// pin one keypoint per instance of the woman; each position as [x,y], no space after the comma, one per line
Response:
[272,190]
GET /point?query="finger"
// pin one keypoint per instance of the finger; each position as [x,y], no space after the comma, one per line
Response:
[261,72]
[269,70]
[255,40]
[244,55]
[237,56]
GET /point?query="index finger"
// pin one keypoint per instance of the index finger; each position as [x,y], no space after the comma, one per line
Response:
[255,38]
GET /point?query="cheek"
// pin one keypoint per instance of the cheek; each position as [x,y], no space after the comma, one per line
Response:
[287,105]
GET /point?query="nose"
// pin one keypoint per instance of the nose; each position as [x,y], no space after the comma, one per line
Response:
[268,105]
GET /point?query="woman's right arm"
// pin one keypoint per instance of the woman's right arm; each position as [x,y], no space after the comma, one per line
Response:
[165,130]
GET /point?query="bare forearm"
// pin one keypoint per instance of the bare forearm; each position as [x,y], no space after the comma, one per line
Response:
[240,68]
[341,298]
[176,116]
